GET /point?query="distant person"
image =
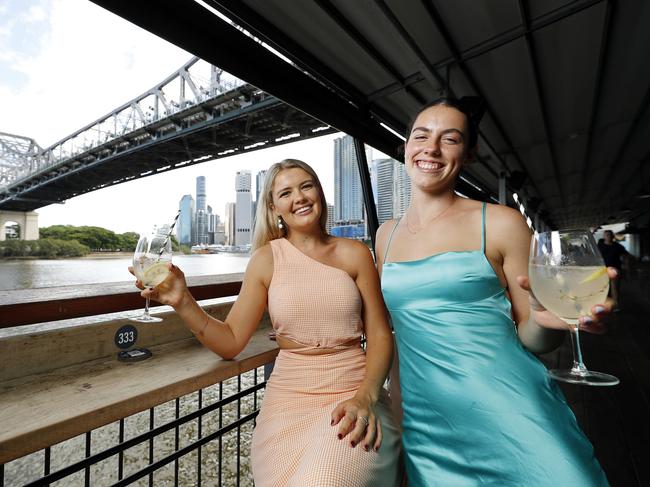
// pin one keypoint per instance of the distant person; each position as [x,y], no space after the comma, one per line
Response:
[613,255]
[478,407]
[325,419]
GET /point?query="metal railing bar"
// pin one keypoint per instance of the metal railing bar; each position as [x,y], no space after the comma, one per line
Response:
[88,452]
[151,426]
[120,456]
[188,449]
[239,430]
[177,412]
[149,435]
[220,478]
[46,461]
[255,382]
[199,469]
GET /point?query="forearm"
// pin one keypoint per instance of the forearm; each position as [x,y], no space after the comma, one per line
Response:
[211,332]
[379,354]
[537,338]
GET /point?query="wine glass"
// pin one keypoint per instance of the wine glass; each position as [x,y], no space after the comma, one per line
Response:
[568,277]
[152,254]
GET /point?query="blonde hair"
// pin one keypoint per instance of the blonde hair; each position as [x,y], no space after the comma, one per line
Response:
[266,223]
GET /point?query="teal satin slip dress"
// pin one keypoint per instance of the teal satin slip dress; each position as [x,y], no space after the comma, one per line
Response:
[479,409]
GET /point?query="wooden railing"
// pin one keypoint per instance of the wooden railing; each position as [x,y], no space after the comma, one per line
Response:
[57,383]
[30,306]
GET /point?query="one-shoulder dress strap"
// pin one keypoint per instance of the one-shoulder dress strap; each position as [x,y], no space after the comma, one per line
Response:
[483,228]
[390,238]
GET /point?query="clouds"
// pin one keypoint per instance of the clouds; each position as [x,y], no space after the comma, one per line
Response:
[75,62]
[66,63]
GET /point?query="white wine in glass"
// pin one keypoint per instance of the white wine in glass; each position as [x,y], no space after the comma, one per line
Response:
[150,259]
[568,276]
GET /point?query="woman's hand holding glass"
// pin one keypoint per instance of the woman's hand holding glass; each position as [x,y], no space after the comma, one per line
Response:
[153,254]
[569,278]
[595,322]
[172,291]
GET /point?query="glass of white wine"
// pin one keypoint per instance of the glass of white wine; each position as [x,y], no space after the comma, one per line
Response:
[150,259]
[568,277]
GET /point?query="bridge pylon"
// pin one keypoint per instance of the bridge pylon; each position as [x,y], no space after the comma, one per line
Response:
[27,222]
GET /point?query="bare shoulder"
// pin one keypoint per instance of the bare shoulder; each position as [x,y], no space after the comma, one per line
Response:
[260,265]
[506,226]
[385,229]
[351,249]
[504,217]
[383,233]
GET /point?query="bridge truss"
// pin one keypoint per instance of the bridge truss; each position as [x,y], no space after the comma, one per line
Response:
[196,114]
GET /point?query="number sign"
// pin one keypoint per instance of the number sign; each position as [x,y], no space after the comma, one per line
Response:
[126,336]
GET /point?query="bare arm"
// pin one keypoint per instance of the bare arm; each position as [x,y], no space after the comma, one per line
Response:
[379,352]
[537,328]
[226,338]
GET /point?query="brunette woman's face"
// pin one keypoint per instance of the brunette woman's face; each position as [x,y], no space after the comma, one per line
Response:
[296,198]
[436,148]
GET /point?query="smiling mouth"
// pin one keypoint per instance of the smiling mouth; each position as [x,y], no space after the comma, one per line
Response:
[429,165]
[302,211]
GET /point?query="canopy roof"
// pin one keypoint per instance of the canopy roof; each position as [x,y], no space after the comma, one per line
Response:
[567,83]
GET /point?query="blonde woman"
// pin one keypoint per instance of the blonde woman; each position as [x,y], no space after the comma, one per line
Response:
[325,419]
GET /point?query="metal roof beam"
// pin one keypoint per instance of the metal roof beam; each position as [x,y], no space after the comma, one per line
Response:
[541,99]
[603,58]
[451,45]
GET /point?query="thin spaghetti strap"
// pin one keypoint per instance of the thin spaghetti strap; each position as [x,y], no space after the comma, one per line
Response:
[390,237]
[483,228]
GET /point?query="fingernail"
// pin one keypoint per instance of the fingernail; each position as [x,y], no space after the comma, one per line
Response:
[365,447]
[376,448]
[353,444]
[340,436]
[599,309]
[332,423]
[587,320]
[150,289]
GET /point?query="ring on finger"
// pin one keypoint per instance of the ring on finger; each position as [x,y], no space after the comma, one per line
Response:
[365,420]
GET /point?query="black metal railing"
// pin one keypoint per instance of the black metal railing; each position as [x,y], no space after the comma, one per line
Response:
[210,438]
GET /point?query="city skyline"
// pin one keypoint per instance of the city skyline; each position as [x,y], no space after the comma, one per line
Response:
[199,225]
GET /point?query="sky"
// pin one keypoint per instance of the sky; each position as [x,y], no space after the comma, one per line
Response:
[66,63]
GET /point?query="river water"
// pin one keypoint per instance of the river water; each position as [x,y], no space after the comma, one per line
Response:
[36,273]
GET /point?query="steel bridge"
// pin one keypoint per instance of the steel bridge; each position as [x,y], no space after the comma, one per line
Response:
[196,114]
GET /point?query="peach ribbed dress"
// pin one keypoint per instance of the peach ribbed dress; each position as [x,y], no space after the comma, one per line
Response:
[294,444]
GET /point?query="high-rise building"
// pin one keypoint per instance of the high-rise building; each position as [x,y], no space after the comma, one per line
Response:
[259,183]
[243,208]
[184,226]
[401,190]
[212,222]
[200,193]
[330,218]
[259,186]
[348,196]
[384,176]
[373,178]
[201,229]
[229,224]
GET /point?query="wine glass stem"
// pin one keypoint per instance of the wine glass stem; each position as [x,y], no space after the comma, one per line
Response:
[146,307]
[578,365]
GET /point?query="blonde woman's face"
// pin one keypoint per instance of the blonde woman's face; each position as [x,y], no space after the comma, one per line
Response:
[296,198]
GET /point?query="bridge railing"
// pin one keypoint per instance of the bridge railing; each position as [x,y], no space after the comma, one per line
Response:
[193,86]
[73,414]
